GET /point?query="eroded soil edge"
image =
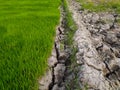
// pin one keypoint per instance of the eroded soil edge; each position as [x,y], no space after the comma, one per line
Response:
[55,77]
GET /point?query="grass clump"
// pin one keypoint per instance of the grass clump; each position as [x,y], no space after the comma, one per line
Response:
[101,5]
[70,30]
[27,30]
[71,27]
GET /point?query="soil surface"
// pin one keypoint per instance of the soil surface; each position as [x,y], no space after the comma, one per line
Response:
[97,60]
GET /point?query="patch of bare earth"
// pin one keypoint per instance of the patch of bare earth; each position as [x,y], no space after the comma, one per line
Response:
[98,42]
[97,60]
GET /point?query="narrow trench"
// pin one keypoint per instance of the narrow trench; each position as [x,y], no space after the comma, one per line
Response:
[64,54]
[61,54]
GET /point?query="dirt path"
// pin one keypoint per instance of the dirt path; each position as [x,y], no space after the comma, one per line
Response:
[98,42]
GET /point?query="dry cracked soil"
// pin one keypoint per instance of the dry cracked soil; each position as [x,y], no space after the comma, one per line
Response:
[97,59]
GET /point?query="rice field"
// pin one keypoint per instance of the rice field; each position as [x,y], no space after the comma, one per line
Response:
[27,30]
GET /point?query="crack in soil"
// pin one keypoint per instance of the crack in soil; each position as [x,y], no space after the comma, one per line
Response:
[97,38]
[97,59]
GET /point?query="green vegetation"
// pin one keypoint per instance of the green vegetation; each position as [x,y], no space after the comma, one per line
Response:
[70,29]
[70,25]
[27,30]
[101,5]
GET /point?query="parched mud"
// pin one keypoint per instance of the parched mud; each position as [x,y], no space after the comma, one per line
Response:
[96,62]
[98,42]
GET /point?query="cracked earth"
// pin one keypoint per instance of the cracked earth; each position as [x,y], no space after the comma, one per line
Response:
[97,59]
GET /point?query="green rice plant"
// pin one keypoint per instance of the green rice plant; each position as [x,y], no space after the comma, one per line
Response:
[27,30]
